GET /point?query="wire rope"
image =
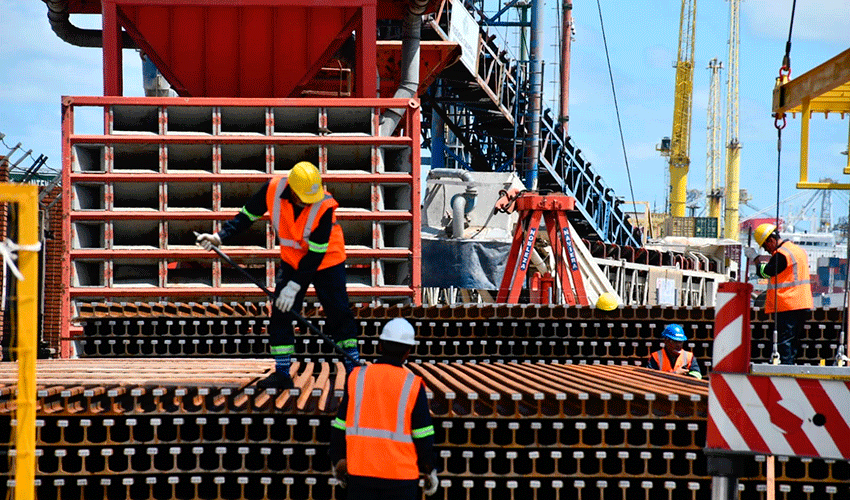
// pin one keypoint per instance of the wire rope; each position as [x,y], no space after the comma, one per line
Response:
[617,109]
[784,72]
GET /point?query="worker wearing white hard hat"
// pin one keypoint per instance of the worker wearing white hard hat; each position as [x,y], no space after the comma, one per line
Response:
[312,250]
[382,438]
[789,292]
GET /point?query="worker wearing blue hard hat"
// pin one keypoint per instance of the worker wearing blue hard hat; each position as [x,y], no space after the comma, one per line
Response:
[672,357]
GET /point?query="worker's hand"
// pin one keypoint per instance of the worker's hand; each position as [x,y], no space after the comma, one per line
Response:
[431,482]
[751,252]
[340,472]
[681,371]
[286,297]
[207,240]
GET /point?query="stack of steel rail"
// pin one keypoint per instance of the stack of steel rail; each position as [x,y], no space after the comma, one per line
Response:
[512,422]
[477,332]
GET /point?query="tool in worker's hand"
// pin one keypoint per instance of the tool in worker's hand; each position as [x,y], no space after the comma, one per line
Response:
[272,296]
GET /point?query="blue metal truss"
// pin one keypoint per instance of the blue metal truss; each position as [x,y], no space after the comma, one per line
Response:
[486,114]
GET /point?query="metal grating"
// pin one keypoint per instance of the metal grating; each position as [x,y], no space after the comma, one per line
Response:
[164,168]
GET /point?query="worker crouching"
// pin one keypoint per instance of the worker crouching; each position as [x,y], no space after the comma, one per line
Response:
[382,439]
[672,358]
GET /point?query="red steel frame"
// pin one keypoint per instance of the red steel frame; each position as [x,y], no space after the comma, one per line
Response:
[553,209]
[365,22]
[410,124]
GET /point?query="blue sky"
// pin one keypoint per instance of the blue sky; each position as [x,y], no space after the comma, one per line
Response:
[642,41]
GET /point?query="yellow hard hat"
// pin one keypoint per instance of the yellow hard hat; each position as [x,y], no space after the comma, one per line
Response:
[762,232]
[306,182]
[607,302]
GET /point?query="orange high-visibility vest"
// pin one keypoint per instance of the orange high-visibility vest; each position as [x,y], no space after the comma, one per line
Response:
[378,434]
[685,358]
[293,234]
[790,289]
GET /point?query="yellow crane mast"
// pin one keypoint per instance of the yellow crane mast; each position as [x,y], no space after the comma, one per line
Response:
[713,160]
[680,141]
[733,146]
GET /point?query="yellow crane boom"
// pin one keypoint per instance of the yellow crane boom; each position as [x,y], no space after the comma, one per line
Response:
[680,140]
[733,146]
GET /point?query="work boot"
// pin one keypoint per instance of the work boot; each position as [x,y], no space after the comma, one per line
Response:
[276,381]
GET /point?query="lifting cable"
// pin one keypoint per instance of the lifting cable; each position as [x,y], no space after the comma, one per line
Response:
[841,358]
[617,110]
[779,123]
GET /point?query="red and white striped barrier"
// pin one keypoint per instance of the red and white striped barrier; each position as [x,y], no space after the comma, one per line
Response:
[773,415]
[731,351]
[779,415]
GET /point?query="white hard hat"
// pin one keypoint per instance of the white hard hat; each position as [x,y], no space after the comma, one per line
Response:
[398,330]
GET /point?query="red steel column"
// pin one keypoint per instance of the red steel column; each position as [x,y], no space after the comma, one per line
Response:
[65,296]
[112,45]
[414,121]
[367,59]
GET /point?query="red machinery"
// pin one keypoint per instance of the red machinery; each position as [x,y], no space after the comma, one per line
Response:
[162,167]
[552,209]
[256,48]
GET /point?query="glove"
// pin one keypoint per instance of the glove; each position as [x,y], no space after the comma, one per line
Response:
[751,253]
[286,298]
[340,472]
[207,240]
[431,482]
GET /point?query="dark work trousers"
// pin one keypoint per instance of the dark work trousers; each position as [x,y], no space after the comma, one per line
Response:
[789,326]
[330,289]
[361,489]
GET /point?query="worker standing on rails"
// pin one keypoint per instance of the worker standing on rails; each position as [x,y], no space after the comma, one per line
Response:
[672,358]
[789,291]
[382,438]
[312,250]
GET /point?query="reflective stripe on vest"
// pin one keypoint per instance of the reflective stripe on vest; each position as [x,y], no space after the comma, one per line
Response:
[791,288]
[293,232]
[684,359]
[311,217]
[398,435]
[378,423]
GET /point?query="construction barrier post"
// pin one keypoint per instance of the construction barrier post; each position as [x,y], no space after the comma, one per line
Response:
[26,196]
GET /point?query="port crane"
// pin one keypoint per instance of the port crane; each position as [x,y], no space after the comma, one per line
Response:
[677,147]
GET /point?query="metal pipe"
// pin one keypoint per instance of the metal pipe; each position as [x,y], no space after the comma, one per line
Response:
[566,42]
[409,85]
[536,94]
[57,13]
[460,203]
[458,215]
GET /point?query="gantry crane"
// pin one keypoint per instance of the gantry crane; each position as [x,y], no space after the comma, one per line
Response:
[679,146]
[733,146]
[713,161]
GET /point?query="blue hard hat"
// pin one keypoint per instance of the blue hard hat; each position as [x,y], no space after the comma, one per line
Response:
[674,332]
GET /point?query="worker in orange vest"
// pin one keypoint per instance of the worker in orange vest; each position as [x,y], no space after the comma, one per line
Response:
[312,250]
[672,358]
[789,291]
[382,437]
